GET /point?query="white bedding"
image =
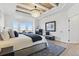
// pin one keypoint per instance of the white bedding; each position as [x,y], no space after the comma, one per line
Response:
[20,42]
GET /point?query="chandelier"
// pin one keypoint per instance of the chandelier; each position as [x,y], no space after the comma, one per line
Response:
[35,12]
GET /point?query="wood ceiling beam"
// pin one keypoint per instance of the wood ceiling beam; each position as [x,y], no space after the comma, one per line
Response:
[22,10]
[53,4]
[25,6]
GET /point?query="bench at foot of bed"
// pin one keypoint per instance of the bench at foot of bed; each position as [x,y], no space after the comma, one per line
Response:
[30,50]
[24,52]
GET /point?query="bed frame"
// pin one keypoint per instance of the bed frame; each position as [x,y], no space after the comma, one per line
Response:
[24,52]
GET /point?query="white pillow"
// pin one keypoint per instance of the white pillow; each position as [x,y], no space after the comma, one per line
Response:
[11,33]
[5,35]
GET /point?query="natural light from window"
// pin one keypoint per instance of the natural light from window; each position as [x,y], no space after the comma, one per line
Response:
[26,26]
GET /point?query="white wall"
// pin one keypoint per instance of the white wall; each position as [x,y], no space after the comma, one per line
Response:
[60,15]
[65,13]
[1,20]
[61,33]
[8,10]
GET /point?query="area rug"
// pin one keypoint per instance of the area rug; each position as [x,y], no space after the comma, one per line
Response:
[51,50]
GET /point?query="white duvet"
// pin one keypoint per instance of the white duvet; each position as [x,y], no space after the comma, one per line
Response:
[20,42]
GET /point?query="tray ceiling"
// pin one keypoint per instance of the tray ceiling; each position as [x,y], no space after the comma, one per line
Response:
[28,7]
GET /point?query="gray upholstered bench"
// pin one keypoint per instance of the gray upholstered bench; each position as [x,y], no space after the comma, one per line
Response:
[8,51]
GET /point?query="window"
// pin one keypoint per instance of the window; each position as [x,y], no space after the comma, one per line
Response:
[26,27]
[15,25]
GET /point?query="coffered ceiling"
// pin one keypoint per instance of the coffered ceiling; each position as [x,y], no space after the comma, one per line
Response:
[28,7]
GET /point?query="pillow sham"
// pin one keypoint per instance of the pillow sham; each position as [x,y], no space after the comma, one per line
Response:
[4,35]
[11,33]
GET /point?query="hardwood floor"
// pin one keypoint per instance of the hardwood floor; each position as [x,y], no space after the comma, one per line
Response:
[71,49]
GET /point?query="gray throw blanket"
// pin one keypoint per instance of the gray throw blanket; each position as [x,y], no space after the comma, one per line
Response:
[35,37]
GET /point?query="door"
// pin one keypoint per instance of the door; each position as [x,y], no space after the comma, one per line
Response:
[74,29]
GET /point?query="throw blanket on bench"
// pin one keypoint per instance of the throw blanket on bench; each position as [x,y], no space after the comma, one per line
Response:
[34,37]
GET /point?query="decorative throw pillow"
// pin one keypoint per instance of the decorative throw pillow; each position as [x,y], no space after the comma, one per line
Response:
[1,37]
[5,35]
[16,34]
[11,33]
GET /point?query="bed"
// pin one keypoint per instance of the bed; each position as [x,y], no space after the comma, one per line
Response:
[21,42]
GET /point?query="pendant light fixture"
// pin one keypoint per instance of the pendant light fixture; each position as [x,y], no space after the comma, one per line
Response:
[35,12]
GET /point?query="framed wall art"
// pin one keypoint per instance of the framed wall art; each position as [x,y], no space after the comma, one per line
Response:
[50,26]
